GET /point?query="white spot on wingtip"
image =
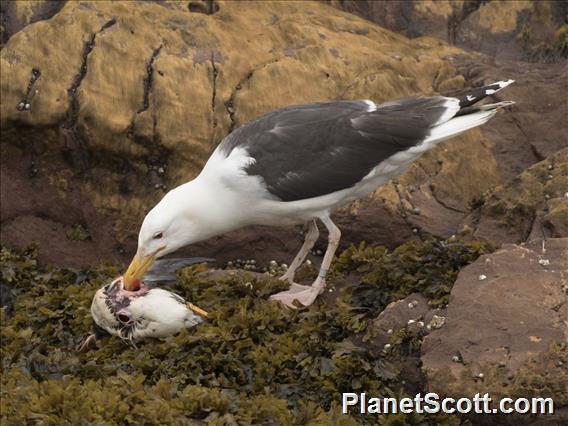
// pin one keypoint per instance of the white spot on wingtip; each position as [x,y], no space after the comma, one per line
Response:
[505,83]
[371,104]
[470,97]
[501,84]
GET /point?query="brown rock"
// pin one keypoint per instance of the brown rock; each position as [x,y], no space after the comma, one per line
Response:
[521,29]
[556,220]
[504,309]
[535,128]
[411,18]
[398,315]
[16,14]
[35,211]
[510,211]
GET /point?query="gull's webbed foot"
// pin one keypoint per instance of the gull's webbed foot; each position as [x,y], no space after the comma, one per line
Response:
[305,294]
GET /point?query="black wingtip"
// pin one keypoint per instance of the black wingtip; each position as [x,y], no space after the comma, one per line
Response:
[469,97]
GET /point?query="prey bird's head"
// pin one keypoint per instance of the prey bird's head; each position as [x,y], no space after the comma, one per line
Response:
[148,312]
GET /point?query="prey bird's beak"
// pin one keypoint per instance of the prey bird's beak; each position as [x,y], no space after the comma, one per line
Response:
[136,270]
[197,310]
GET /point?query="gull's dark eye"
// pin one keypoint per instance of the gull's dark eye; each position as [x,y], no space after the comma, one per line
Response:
[123,318]
[158,235]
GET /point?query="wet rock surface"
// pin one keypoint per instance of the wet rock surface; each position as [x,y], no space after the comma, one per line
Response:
[398,315]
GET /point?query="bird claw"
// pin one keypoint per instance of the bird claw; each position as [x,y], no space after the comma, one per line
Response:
[305,294]
[88,343]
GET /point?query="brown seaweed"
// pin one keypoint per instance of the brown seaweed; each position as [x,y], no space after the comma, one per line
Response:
[251,362]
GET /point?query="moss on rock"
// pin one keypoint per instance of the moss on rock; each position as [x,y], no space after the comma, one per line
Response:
[508,212]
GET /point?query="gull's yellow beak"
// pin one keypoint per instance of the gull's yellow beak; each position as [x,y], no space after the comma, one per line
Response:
[136,270]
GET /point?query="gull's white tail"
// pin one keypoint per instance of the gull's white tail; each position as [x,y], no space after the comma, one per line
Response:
[461,123]
[469,115]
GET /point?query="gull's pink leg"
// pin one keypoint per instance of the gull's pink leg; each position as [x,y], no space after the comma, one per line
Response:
[312,236]
[304,294]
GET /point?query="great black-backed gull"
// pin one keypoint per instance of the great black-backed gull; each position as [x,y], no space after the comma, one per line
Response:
[296,165]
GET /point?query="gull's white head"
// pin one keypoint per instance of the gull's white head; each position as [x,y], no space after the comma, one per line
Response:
[173,223]
[192,212]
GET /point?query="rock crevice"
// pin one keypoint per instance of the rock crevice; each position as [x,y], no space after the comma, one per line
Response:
[214,74]
[75,146]
[149,79]
[230,104]
[25,103]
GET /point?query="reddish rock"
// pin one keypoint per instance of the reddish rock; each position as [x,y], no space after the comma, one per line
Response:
[522,29]
[504,309]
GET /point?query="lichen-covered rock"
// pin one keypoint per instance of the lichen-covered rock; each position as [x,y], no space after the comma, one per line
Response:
[557,217]
[16,14]
[506,320]
[510,212]
[122,103]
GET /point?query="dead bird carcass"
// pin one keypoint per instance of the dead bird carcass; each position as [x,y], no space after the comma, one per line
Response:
[137,315]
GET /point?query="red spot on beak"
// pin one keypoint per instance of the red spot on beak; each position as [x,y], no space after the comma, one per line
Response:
[135,284]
